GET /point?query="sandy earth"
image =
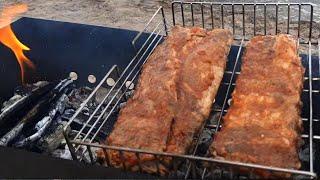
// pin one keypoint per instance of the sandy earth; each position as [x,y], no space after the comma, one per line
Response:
[130,14]
[133,14]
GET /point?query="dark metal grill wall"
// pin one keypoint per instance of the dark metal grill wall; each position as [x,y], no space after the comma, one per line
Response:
[57,48]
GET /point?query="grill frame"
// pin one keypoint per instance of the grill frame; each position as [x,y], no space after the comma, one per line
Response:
[144,50]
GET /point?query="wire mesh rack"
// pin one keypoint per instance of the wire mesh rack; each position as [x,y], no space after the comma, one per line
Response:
[245,20]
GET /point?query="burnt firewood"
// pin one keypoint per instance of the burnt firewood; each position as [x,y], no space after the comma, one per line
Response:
[36,112]
[45,122]
[52,139]
[20,102]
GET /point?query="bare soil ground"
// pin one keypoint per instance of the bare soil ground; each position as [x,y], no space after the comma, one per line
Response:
[130,14]
[133,14]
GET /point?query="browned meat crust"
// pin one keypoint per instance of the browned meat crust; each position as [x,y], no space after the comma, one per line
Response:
[180,77]
[263,124]
[200,76]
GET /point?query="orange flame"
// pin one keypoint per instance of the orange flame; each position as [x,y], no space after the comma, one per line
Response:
[9,39]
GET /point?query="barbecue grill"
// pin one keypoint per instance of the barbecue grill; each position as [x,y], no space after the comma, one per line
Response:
[245,21]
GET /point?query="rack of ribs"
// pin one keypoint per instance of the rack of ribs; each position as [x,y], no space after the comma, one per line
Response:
[263,123]
[200,76]
[173,97]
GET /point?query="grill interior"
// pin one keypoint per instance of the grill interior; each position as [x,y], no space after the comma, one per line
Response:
[59,48]
[245,21]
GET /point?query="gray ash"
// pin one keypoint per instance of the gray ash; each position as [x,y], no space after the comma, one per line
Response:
[40,129]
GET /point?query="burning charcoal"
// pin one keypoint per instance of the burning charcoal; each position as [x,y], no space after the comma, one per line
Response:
[68,113]
[11,101]
[101,94]
[213,119]
[9,105]
[128,94]
[53,138]
[27,88]
[62,153]
[121,105]
[78,96]
[63,85]
[11,134]
[205,140]
[304,154]
[85,111]
[83,154]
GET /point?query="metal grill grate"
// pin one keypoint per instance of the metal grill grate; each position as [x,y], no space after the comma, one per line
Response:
[239,18]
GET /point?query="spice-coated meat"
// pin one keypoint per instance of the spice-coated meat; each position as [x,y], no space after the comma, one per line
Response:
[173,96]
[263,123]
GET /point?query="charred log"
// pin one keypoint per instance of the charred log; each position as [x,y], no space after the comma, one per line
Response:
[55,110]
[20,105]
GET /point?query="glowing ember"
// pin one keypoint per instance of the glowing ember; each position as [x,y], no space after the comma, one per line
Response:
[9,39]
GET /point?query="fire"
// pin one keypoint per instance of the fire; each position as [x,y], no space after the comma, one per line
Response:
[9,39]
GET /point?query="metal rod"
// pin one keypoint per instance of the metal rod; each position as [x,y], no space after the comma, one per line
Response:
[164,21]
[319,56]
[70,146]
[311,20]
[157,164]
[310,111]
[139,161]
[123,161]
[304,90]
[277,9]
[175,165]
[243,22]
[90,154]
[191,157]
[182,14]
[230,3]
[146,26]
[288,23]
[265,18]
[106,155]
[254,19]
[233,26]
[231,174]
[173,14]
[203,174]
[222,19]
[306,136]
[118,77]
[202,15]
[212,18]
[299,20]
[230,82]
[192,15]
[193,168]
